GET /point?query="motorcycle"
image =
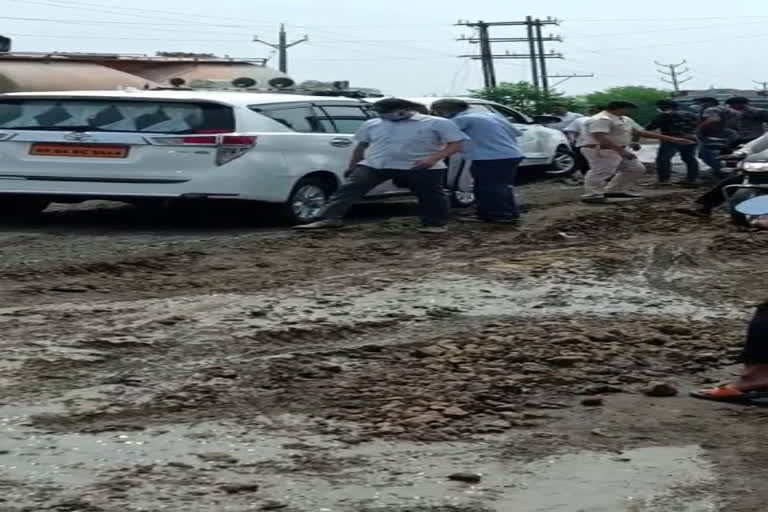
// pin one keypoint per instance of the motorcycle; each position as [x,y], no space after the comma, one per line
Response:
[745,200]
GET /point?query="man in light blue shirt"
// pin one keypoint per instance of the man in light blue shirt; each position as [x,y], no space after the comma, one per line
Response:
[399,144]
[495,155]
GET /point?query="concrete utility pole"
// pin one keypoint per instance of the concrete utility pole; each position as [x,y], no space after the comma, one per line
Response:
[674,74]
[763,85]
[536,54]
[282,47]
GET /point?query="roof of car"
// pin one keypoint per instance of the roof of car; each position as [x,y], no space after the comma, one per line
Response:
[231,97]
[428,100]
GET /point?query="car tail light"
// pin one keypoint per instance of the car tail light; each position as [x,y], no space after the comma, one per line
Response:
[233,146]
[229,146]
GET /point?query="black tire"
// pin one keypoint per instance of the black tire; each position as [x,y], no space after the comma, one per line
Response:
[21,207]
[740,196]
[564,163]
[318,188]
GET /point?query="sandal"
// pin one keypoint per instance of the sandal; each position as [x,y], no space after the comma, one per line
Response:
[730,394]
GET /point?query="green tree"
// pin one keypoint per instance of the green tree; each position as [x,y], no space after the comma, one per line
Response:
[524,96]
[644,97]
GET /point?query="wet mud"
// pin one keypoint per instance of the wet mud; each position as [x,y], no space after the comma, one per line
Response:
[154,365]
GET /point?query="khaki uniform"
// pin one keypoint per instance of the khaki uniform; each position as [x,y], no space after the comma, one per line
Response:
[607,164]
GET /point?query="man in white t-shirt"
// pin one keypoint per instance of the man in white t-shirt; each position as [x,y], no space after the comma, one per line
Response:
[400,144]
[566,117]
[576,132]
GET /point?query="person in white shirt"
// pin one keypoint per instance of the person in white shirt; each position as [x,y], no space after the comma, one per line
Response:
[400,144]
[576,134]
[566,117]
[607,140]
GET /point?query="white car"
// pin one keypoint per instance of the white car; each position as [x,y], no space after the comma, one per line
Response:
[138,145]
[145,145]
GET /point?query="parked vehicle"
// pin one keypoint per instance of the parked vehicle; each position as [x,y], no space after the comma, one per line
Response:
[754,169]
[135,146]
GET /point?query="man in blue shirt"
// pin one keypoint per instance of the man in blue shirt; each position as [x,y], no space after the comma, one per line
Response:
[495,155]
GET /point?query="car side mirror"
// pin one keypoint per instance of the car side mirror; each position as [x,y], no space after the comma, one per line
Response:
[546,119]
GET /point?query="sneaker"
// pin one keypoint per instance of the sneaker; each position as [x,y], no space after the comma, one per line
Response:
[321,224]
[623,195]
[702,213]
[433,230]
[594,200]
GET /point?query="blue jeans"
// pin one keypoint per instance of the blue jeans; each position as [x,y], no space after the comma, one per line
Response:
[494,191]
[709,156]
[667,151]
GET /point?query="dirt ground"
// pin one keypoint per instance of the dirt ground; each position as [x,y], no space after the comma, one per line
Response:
[154,362]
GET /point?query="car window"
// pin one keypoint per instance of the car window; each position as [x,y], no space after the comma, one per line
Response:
[299,118]
[511,114]
[346,119]
[480,107]
[116,115]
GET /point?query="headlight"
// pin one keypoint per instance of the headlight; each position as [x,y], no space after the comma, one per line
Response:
[756,166]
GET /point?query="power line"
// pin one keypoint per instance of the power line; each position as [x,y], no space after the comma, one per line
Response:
[565,78]
[674,74]
[536,53]
[282,46]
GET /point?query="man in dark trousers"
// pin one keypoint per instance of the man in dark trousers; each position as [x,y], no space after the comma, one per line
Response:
[401,144]
[676,123]
[495,155]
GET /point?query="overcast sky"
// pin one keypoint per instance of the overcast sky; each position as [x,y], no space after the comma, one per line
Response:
[409,47]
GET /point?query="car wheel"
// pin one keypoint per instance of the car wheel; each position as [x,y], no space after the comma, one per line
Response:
[20,207]
[307,199]
[563,164]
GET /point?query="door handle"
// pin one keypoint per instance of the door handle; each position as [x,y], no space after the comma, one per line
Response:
[341,143]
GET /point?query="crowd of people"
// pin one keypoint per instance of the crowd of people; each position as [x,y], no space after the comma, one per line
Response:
[409,144]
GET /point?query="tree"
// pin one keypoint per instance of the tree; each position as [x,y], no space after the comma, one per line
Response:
[524,96]
[644,97]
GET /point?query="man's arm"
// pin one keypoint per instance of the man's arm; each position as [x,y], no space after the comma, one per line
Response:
[450,149]
[358,155]
[605,142]
[653,135]
[758,145]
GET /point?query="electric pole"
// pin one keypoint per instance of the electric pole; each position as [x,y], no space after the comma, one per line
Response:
[535,55]
[282,47]
[674,74]
[763,86]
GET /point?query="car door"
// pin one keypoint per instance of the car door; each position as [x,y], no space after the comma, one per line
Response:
[345,119]
[532,142]
[314,144]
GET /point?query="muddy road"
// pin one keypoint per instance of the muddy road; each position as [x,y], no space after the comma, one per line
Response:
[157,363]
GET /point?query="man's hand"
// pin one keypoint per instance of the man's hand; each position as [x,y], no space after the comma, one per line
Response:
[350,171]
[627,155]
[426,163]
[636,146]
[736,155]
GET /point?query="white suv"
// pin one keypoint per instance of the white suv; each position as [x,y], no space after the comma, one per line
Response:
[138,145]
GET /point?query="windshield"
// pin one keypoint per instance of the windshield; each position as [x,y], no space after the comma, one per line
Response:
[115,116]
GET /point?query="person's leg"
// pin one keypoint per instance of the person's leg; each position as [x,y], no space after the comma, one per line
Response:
[581,162]
[602,165]
[709,157]
[715,196]
[628,173]
[363,180]
[491,189]
[511,167]
[666,152]
[428,185]
[688,154]
[753,383]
